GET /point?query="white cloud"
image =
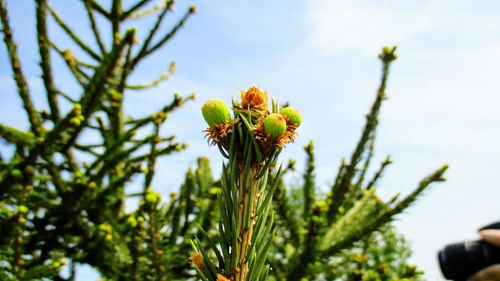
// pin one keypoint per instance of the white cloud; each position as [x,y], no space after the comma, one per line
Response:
[357,26]
[443,107]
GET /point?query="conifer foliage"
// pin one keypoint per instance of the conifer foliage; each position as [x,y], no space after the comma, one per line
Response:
[57,208]
[62,196]
[313,232]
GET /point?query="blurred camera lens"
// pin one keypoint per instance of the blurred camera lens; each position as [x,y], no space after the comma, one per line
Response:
[461,260]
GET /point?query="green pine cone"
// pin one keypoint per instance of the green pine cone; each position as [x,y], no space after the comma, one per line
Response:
[275,125]
[293,115]
[215,112]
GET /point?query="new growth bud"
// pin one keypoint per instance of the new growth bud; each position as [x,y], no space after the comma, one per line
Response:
[292,115]
[75,121]
[23,209]
[16,173]
[275,125]
[197,260]
[254,98]
[152,197]
[132,221]
[388,54]
[215,112]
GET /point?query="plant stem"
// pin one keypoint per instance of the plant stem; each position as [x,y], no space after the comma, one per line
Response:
[247,204]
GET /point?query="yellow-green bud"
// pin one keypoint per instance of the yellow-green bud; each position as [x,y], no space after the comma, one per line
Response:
[77,109]
[274,125]
[92,185]
[29,170]
[132,221]
[215,112]
[75,121]
[152,198]
[22,209]
[106,228]
[5,212]
[16,173]
[320,206]
[215,191]
[292,114]
[21,220]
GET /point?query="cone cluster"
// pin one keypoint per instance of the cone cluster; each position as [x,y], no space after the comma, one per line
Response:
[272,128]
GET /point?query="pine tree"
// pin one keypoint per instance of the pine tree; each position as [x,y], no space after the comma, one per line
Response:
[62,197]
[57,208]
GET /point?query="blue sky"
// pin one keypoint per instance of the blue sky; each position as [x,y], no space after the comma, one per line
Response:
[321,57]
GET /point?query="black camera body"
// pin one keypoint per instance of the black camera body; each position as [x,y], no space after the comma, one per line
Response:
[459,261]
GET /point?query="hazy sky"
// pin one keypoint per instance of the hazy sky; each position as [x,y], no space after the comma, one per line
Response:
[321,56]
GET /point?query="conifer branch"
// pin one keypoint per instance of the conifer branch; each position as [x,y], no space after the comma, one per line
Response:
[116,12]
[163,77]
[307,255]
[436,176]
[309,188]
[93,25]
[16,136]
[381,218]
[153,234]
[366,164]
[53,171]
[74,65]
[176,147]
[165,38]
[73,35]
[66,97]
[98,8]
[379,172]
[287,213]
[80,76]
[22,84]
[338,195]
[345,231]
[45,63]
[136,14]
[142,52]
[134,8]
[356,189]
[172,33]
[151,161]
[338,177]
[93,90]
